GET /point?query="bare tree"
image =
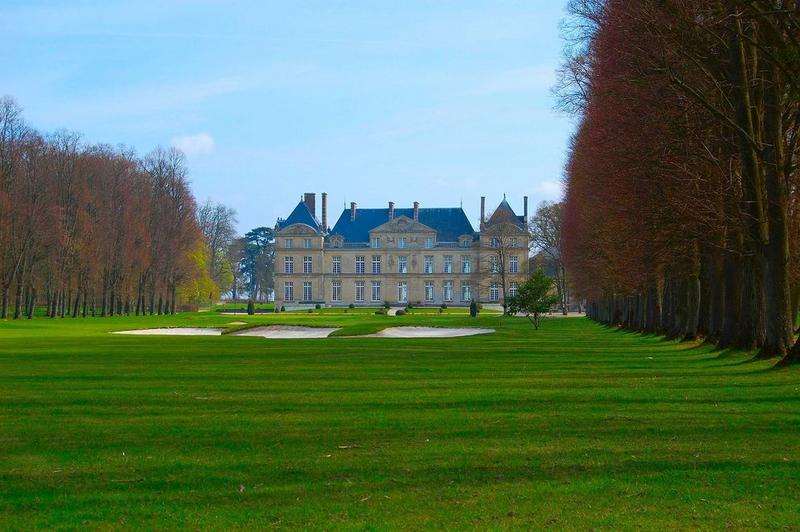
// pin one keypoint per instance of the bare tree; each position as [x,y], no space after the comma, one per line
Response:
[218,224]
[545,230]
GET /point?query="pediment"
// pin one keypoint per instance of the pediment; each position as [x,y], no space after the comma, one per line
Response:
[298,229]
[403,224]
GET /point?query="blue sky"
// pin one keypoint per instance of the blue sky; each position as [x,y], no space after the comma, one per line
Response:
[371,101]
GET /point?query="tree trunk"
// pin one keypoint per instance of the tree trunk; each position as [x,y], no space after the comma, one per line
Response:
[778,332]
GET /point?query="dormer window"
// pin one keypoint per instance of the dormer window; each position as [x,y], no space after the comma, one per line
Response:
[376,242]
[287,243]
[401,242]
[307,243]
[429,242]
[495,243]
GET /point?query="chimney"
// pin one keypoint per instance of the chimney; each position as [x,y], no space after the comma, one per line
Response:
[525,208]
[416,211]
[483,209]
[352,211]
[309,198]
[325,211]
[391,210]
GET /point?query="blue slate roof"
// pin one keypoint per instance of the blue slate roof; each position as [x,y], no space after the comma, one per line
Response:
[449,223]
[300,215]
[504,212]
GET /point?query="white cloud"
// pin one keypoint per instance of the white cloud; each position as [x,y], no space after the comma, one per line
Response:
[523,79]
[550,189]
[197,144]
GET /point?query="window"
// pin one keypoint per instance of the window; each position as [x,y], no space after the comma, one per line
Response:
[466,264]
[402,292]
[376,291]
[494,292]
[448,290]
[307,291]
[465,243]
[428,263]
[514,242]
[513,264]
[336,291]
[376,242]
[307,243]
[288,264]
[376,264]
[288,291]
[336,264]
[402,264]
[401,242]
[494,266]
[307,264]
[360,291]
[512,288]
[448,264]
[429,291]
[466,292]
[495,243]
[288,243]
[429,242]
[360,260]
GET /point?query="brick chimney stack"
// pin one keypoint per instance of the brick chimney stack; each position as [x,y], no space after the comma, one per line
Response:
[416,211]
[310,199]
[391,210]
[352,211]
[525,208]
[324,211]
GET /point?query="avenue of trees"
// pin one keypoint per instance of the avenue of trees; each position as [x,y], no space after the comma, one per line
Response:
[93,230]
[682,211]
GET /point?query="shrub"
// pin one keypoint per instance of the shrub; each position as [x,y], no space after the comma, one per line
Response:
[283,308]
[386,304]
[351,306]
[400,312]
[409,306]
[441,310]
[251,308]
[444,306]
[311,311]
[473,309]
[380,312]
[317,306]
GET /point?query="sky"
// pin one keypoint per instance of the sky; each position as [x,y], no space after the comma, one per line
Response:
[435,101]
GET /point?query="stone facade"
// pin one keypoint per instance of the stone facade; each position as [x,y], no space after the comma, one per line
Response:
[376,256]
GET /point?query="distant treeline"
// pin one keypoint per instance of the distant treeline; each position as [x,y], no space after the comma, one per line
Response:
[94,230]
[682,211]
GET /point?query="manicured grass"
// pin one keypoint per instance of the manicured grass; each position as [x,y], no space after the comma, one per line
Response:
[574,426]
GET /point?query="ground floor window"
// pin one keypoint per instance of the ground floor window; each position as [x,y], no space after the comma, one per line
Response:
[376,291]
[360,291]
[448,290]
[402,292]
[336,291]
[428,291]
[494,292]
[307,291]
[512,288]
[466,292]
[288,291]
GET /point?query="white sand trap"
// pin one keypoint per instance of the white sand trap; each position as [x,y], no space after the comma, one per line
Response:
[429,332]
[176,331]
[286,331]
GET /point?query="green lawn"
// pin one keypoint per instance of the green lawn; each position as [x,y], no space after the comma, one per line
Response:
[574,426]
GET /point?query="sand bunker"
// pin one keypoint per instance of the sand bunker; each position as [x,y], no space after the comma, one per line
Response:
[286,331]
[176,331]
[428,332]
